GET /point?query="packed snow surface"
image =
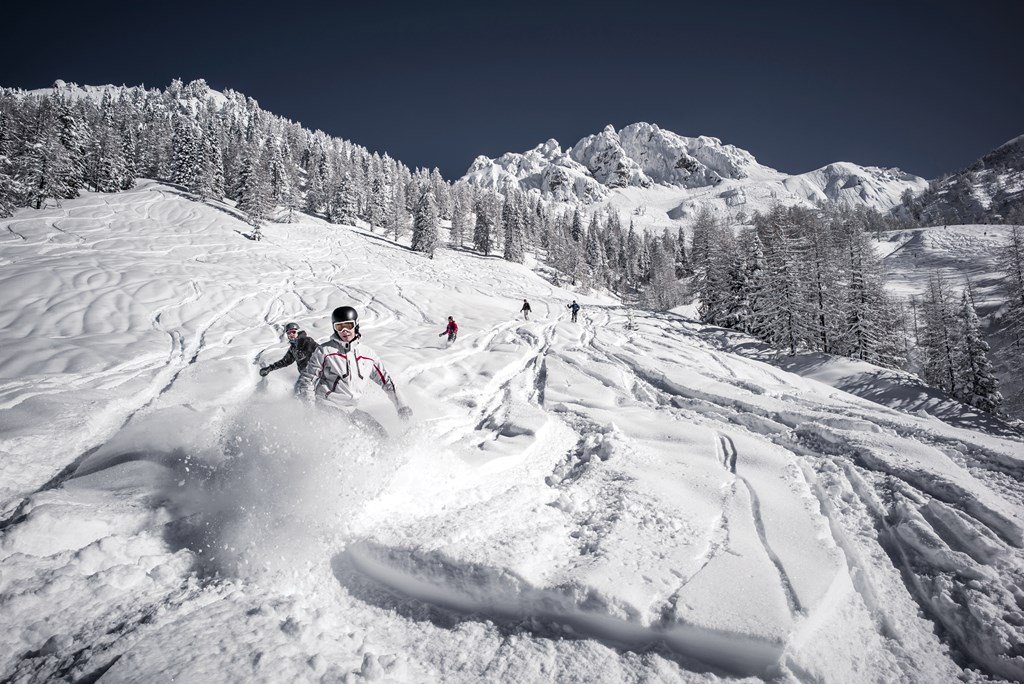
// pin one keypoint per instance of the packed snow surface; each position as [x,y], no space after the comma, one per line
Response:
[622,499]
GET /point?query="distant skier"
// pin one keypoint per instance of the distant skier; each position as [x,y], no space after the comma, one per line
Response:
[452,331]
[526,310]
[300,349]
[575,308]
[341,367]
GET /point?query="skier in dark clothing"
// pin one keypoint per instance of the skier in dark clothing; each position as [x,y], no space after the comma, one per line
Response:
[526,310]
[300,349]
[575,308]
[452,331]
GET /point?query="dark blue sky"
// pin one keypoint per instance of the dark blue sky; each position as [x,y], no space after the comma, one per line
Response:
[927,86]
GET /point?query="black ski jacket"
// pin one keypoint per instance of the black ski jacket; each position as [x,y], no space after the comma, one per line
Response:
[300,351]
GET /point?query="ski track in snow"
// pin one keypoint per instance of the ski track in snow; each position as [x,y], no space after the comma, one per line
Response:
[575,501]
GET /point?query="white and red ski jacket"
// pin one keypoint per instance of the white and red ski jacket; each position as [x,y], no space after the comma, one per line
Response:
[338,373]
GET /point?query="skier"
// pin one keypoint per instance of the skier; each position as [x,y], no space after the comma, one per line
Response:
[452,331]
[526,310]
[575,308]
[340,369]
[300,348]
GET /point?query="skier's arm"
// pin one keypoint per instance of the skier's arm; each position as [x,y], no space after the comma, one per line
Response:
[306,387]
[381,376]
[286,360]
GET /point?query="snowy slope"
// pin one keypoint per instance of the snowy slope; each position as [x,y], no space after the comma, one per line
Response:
[990,189]
[574,502]
[660,176]
[958,254]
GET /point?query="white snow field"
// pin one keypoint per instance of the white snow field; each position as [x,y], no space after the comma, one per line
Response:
[573,502]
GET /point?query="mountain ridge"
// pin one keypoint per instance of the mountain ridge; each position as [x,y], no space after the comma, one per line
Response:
[647,157]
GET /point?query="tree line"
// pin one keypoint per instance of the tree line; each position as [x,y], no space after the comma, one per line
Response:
[54,145]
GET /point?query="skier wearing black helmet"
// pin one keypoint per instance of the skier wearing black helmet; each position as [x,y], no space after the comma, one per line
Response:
[300,349]
[340,369]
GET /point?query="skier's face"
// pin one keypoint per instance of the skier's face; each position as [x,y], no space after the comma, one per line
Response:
[292,334]
[346,330]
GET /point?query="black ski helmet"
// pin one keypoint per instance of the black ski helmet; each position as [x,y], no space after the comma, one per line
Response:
[345,313]
[291,326]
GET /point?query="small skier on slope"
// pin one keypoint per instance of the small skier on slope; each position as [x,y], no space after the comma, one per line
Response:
[452,331]
[300,349]
[526,310]
[574,308]
[340,369]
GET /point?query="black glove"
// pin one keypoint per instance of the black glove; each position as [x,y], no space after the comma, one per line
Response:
[405,413]
[264,371]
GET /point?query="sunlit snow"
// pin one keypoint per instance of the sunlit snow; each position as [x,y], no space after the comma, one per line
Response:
[633,497]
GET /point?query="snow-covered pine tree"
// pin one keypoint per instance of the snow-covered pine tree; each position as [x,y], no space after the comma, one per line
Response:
[754,283]
[939,337]
[190,168]
[631,257]
[254,188]
[378,201]
[74,137]
[425,225]
[784,313]
[461,208]
[442,194]
[820,273]
[1013,285]
[43,165]
[873,329]
[277,172]
[318,180]
[398,216]
[11,190]
[344,204]
[129,153]
[594,254]
[683,267]
[576,229]
[976,379]
[718,280]
[515,238]
[704,224]
[663,290]
[483,231]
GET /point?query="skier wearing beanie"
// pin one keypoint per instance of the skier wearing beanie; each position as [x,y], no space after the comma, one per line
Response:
[300,349]
[340,369]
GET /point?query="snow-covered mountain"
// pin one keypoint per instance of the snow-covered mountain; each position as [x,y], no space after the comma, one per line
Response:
[650,171]
[989,190]
[632,498]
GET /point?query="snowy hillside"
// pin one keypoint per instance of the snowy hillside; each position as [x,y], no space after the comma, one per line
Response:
[958,254]
[990,189]
[622,499]
[661,176]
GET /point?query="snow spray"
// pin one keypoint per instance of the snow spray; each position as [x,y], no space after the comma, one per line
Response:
[287,480]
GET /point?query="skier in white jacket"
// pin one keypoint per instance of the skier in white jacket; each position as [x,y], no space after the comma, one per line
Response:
[338,372]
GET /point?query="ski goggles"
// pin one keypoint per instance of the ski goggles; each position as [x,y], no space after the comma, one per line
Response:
[344,325]
[291,332]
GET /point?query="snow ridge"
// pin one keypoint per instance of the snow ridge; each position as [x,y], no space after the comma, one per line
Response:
[659,164]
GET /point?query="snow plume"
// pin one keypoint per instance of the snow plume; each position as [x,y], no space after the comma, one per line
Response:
[281,489]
